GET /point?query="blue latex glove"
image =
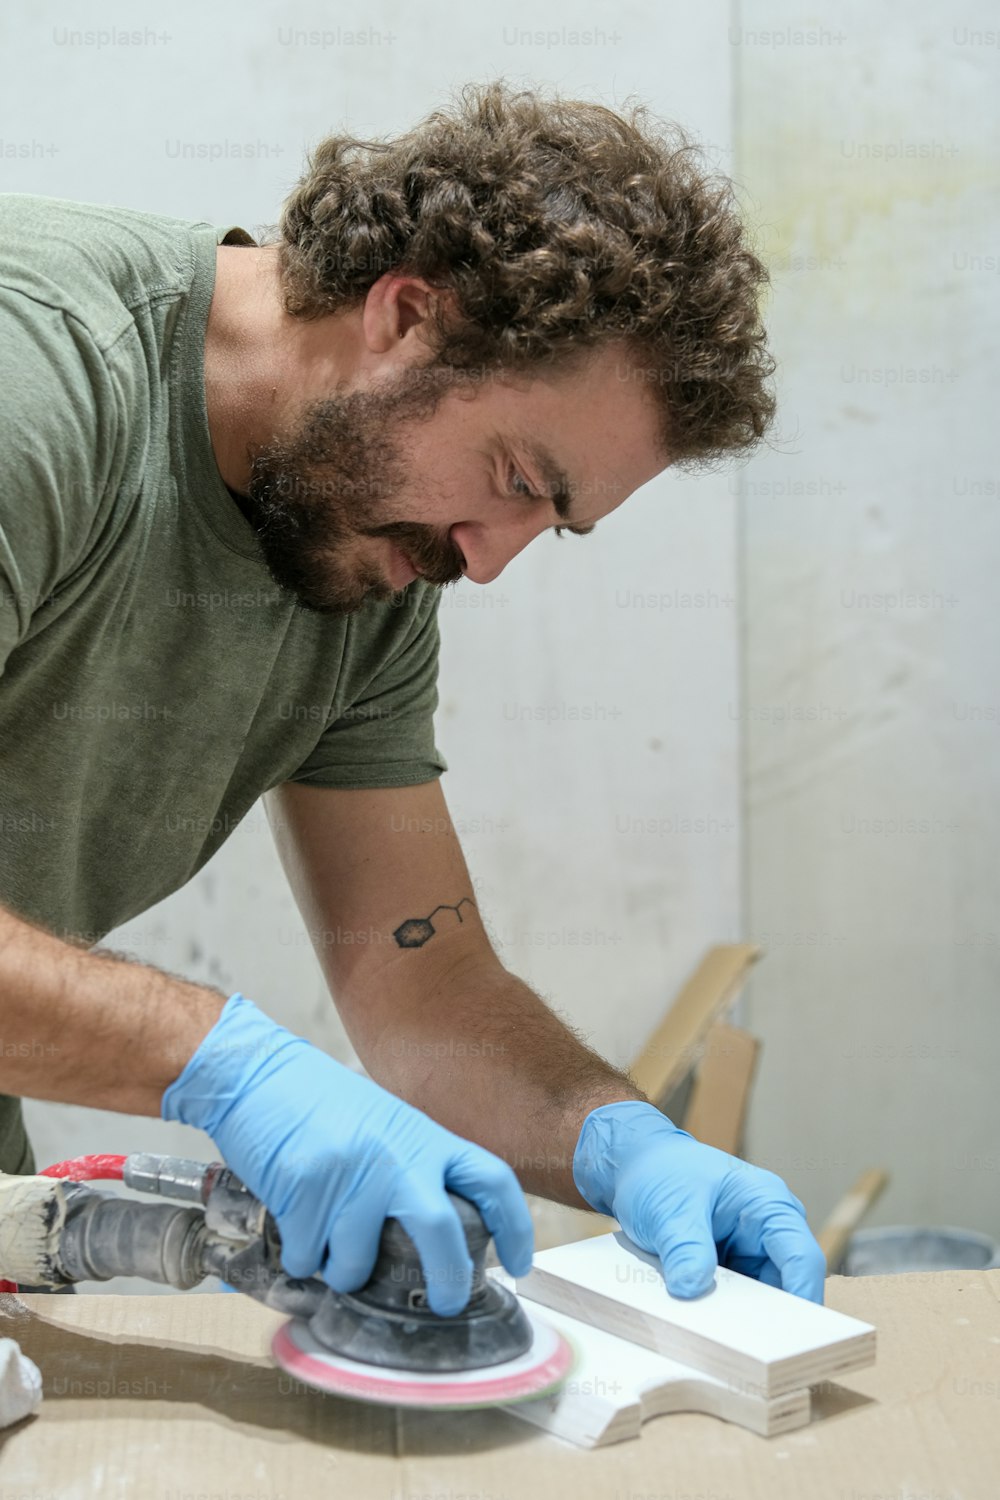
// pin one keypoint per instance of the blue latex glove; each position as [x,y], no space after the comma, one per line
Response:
[332,1155]
[694,1206]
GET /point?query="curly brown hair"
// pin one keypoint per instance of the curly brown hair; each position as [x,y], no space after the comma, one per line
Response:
[558,226]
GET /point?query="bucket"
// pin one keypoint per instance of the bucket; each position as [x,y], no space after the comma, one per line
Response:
[899,1249]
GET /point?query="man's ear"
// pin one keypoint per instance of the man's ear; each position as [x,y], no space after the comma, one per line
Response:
[398,307]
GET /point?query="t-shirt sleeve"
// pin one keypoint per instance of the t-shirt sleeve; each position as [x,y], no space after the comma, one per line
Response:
[385,736]
[57,427]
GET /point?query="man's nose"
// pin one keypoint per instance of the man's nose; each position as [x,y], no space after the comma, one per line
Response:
[488,549]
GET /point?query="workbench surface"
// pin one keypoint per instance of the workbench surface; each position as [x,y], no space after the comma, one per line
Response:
[174,1397]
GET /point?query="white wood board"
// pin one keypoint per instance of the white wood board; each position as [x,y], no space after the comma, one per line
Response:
[762,1340]
[615,1386]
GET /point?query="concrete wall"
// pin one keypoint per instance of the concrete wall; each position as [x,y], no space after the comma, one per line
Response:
[869,565]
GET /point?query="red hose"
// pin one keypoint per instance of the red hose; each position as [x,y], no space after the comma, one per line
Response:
[87,1168]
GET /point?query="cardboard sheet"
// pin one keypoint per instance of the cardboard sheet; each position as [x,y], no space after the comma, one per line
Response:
[174,1395]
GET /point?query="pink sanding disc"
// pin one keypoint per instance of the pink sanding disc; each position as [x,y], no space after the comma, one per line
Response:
[545,1365]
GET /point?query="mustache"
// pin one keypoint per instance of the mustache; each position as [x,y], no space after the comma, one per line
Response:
[439,562]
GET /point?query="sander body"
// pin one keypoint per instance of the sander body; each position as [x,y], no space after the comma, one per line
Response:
[381,1343]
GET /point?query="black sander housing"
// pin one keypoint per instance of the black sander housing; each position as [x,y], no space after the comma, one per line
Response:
[219,1228]
[389,1322]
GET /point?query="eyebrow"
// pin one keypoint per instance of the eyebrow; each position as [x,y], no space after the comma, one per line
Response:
[557,485]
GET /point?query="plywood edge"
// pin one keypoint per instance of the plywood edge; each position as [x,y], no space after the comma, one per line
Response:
[704,1355]
[766,1417]
[852,1353]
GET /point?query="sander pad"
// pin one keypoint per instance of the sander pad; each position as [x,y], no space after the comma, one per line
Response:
[545,1365]
[384,1343]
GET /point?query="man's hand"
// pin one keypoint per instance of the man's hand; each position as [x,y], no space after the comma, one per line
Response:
[692,1205]
[333,1155]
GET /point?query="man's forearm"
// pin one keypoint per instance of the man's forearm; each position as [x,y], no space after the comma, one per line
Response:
[484,1055]
[88,1027]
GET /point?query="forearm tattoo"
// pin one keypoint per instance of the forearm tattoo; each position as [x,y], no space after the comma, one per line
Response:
[415,931]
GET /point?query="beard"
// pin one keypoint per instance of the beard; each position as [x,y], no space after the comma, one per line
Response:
[318,490]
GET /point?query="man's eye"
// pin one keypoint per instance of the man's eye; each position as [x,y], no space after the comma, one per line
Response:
[527,493]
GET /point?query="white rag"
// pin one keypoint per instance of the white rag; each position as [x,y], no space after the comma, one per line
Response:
[20,1384]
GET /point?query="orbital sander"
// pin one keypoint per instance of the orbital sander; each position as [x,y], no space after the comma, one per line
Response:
[381,1343]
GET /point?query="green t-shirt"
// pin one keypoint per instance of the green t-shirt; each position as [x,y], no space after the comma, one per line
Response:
[154,681]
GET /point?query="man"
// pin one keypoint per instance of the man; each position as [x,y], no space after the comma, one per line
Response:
[236,478]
